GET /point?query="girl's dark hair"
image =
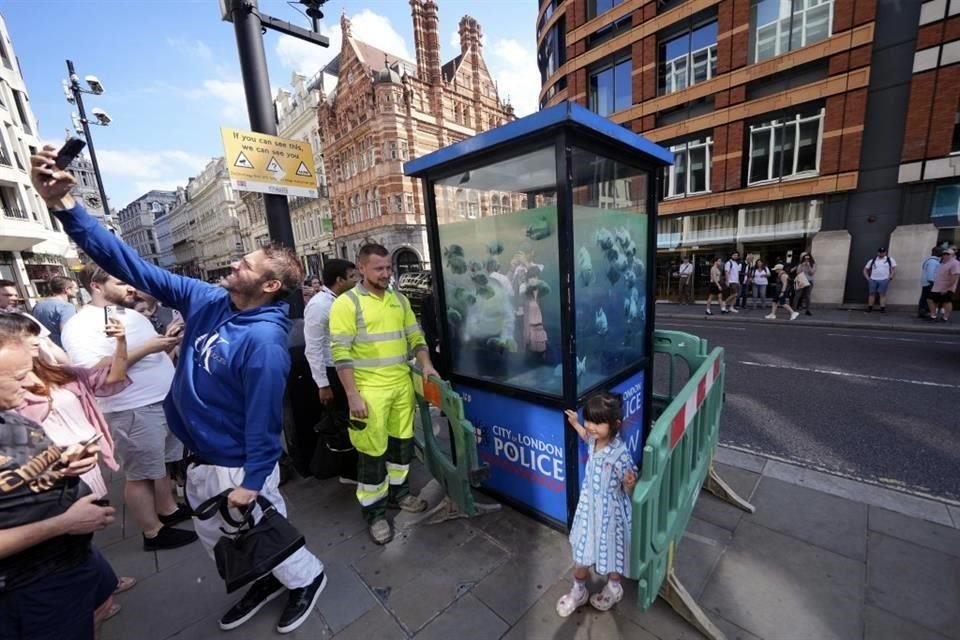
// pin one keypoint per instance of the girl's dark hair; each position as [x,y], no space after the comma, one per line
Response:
[604,408]
[17,324]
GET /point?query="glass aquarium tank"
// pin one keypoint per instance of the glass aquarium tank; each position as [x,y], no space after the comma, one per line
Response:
[499,255]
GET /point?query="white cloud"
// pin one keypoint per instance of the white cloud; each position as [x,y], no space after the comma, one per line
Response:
[455,39]
[230,94]
[367,26]
[514,67]
[156,166]
[194,49]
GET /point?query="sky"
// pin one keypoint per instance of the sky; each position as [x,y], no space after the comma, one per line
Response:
[172,79]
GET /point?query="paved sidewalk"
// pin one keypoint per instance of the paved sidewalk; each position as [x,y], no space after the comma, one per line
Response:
[822,558]
[892,320]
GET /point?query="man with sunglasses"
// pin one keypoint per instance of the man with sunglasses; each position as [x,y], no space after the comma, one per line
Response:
[226,400]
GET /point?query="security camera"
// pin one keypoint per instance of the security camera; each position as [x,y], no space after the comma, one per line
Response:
[67,93]
[95,87]
[102,116]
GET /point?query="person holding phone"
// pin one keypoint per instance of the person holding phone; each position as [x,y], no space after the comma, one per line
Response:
[54,580]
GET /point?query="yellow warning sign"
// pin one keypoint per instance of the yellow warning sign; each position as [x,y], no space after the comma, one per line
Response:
[269,164]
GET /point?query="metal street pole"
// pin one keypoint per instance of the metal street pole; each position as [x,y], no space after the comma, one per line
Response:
[78,96]
[256,82]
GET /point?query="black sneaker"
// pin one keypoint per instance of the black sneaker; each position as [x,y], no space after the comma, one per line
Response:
[883,309]
[260,593]
[181,514]
[300,603]
[168,538]
[808,312]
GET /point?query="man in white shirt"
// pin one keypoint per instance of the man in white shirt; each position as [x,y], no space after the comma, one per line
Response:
[731,272]
[339,276]
[143,443]
[879,271]
[686,281]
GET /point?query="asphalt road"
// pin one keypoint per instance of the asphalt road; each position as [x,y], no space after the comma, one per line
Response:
[874,405]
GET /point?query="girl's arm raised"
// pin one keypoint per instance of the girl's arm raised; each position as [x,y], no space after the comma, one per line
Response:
[575,423]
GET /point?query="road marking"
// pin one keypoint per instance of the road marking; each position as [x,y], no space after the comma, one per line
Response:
[854,335]
[705,326]
[847,374]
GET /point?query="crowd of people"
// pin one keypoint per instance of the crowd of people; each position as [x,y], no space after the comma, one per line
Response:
[739,284]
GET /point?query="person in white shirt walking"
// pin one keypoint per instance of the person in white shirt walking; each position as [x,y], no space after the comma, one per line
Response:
[686,281]
[731,271]
[339,276]
[142,442]
[879,272]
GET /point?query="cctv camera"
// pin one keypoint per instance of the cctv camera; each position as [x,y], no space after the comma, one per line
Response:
[67,93]
[94,85]
[102,116]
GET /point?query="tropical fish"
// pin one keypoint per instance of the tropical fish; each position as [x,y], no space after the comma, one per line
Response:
[495,248]
[479,278]
[457,264]
[476,266]
[581,366]
[584,266]
[540,229]
[618,260]
[541,287]
[613,275]
[623,237]
[630,250]
[470,299]
[454,316]
[453,250]
[631,306]
[485,291]
[604,239]
[601,323]
[630,278]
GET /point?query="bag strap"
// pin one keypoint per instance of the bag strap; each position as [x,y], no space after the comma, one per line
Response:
[218,504]
[209,507]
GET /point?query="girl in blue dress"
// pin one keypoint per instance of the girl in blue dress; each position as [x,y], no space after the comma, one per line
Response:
[600,535]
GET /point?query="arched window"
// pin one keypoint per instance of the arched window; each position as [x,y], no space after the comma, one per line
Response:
[505,204]
[407,261]
[376,202]
[461,203]
[369,203]
[473,206]
[494,205]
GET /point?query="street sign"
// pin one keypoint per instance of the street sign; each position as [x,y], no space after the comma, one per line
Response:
[268,164]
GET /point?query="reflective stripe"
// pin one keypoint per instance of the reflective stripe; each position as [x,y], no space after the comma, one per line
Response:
[341,340]
[380,337]
[412,329]
[343,364]
[361,323]
[381,362]
[397,473]
[369,494]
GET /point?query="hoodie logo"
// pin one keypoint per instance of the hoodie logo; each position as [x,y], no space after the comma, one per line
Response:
[205,346]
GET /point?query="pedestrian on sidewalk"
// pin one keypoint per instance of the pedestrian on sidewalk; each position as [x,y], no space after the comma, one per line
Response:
[600,535]
[944,286]
[879,272]
[144,443]
[9,303]
[335,455]
[783,294]
[803,282]
[686,280]
[54,581]
[746,284]
[715,288]
[731,274]
[373,334]
[226,402]
[928,273]
[760,276]
[53,312]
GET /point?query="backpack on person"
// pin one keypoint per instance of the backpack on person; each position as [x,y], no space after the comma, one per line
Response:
[872,261]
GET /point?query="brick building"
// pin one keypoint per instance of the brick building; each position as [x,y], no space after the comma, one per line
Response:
[796,125]
[379,111]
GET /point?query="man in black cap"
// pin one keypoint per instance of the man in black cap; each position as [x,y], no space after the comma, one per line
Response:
[879,271]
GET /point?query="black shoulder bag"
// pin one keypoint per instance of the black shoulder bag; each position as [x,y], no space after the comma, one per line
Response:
[254,549]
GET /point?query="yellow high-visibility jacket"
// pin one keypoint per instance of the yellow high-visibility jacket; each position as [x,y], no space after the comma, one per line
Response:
[375,337]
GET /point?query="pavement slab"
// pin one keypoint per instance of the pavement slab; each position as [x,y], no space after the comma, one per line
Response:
[698,553]
[376,624]
[513,588]
[883,625]
[720,513]
[346,597]
[915,583]
[821,519]
[778,587]
[926,534]
[466,619]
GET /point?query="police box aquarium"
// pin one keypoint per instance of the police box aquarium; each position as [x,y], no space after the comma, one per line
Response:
[542,238]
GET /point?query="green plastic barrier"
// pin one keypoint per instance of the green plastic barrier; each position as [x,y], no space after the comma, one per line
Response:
[676,460]
[457,477]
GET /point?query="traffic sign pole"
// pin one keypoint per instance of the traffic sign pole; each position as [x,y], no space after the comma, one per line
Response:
[256,84]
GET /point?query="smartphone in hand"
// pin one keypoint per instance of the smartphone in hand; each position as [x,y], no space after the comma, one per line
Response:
[68,152]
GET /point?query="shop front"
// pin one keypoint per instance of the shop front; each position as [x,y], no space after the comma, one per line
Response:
[774,232]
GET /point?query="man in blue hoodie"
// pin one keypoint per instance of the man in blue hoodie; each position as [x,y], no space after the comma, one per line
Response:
[226,400]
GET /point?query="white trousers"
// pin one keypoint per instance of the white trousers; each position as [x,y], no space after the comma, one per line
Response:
[206,481]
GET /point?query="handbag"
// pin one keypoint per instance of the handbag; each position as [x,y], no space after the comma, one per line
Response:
[254,549]
[801,281]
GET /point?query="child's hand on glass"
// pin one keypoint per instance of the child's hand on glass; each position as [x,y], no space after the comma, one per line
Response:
[629,481]
[573,419]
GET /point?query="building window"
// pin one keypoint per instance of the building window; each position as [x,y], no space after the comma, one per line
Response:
[404,150]
[397,206]
[392,150]
[20,99]
[689,59]
[462,203]
[596,7]
[553,50]
[955,146]
[408,198]
[376,202]
[779,26]
[611,87]
[785,148]
[690,172]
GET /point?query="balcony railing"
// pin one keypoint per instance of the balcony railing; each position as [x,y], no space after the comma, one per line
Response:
[14,212]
